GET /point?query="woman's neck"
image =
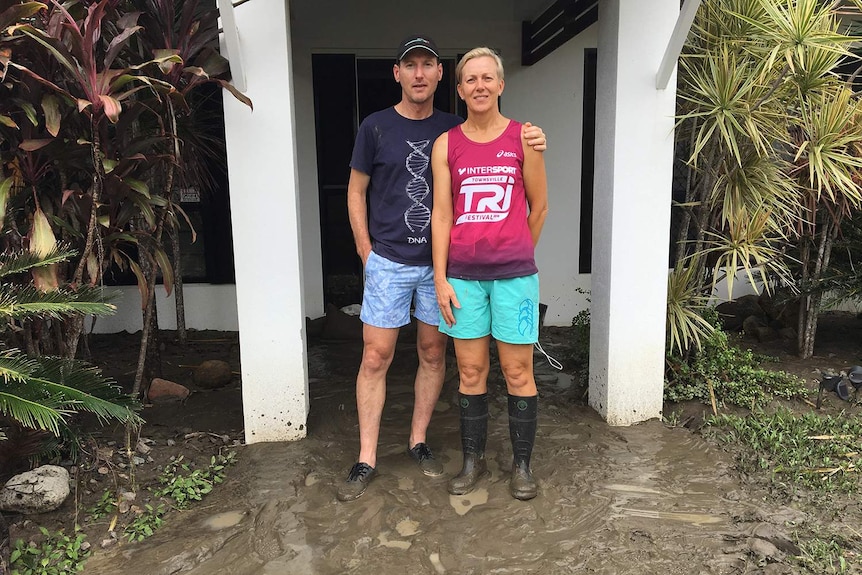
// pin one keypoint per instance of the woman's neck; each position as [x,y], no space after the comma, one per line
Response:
[484,126]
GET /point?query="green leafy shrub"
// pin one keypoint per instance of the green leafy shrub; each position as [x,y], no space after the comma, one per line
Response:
[736,376]
[183,488]
[58,554]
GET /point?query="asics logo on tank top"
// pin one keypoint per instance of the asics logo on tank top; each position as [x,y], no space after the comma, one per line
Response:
[487,198]
[505,154]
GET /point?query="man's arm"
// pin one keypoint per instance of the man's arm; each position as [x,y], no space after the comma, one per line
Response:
[536,188]
[357,210]
[534,136]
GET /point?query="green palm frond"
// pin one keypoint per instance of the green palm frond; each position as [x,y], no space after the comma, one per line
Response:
[15,365]
[759,183]
[84,388]
[41,393]
[830,151]
[23,302]
[747,247]
[36,413]
[22,261]
[686,326]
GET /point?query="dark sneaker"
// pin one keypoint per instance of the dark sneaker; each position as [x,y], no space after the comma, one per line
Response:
[422,455]
[357,482]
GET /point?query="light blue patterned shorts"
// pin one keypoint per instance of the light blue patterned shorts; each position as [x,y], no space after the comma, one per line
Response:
[508,309]
[390,290]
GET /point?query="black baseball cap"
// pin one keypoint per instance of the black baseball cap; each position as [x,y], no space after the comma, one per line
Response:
[414,42]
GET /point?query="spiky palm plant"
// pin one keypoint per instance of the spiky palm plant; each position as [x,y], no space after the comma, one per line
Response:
[686,325]
[773,137]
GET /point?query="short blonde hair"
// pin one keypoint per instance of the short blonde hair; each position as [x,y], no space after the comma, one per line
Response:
[478,53]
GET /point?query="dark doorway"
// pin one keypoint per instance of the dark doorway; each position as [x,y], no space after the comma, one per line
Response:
[346,90]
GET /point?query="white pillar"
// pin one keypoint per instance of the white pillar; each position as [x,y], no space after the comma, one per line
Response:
[631,217]
[261,150]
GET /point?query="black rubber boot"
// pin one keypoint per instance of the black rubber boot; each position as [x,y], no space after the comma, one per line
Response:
[474,433]
[523,414]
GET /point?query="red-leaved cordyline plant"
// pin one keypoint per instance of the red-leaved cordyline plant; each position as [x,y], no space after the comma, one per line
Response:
[108,78]
[187,30]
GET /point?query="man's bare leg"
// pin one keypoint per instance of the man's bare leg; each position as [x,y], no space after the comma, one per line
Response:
[431,347]
[377,353]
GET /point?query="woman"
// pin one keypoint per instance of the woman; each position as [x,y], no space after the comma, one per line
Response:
[490,203]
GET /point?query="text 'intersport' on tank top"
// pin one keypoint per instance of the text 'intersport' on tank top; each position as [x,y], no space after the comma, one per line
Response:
[490,237]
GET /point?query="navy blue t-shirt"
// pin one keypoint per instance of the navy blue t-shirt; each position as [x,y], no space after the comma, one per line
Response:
[396,152]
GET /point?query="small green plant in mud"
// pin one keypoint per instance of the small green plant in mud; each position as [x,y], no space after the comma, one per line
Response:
[145,524]
[106,505]
[57,554]
[183,488]
[820,453]
[672,419]
[735,376]
[823,554]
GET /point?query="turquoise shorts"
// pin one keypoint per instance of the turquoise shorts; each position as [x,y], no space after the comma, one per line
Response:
[391,289]
[508,309]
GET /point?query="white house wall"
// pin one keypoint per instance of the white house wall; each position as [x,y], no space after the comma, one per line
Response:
[207,306]
[549,93]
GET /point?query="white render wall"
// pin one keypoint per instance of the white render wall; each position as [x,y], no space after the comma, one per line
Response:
[261,151]
[555,101]
[208,306]
[634,154]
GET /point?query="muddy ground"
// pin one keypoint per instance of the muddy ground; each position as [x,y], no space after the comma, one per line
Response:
[639,500]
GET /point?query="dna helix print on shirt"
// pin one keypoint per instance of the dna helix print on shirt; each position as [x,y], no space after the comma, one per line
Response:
[418,216]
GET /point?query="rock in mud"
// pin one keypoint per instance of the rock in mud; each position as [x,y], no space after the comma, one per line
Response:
[763,548]
[164,390]
[782,541]
[213,374]
[38,491]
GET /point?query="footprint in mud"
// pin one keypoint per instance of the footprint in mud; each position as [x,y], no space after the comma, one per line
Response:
[384,541]
[405,484]
[407,527]
[464,503]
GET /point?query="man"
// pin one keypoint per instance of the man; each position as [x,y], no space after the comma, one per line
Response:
[390,168]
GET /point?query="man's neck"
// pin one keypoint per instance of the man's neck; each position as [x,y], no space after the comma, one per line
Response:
[414,111]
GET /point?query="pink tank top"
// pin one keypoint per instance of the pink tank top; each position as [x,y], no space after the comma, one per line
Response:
[490,238]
